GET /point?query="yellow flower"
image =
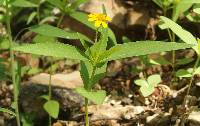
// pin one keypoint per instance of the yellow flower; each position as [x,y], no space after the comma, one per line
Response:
[99,20]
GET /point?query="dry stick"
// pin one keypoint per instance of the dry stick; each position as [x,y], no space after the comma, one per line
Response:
[188,91]
[12,64]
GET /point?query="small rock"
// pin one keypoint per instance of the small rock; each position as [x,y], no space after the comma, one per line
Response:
[62,90]
[69,81]
[194,119]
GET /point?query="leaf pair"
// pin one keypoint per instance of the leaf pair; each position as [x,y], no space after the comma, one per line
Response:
[147,87]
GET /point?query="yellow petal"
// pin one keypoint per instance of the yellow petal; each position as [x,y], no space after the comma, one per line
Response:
[91,15]
[91,19]
[108,18]
[97,24]
[105,25]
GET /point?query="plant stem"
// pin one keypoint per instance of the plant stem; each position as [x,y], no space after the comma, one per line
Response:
[60,19]
[172,39]
[188,90]
[50,87]
[88,87]
[12,64]
[38,13]
[191,80]
[86,113]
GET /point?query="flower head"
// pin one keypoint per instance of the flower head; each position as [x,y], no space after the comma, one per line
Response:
[99,20]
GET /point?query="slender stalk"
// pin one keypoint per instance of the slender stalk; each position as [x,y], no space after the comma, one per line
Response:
[12,63]
[86,113]
[86,100]
[96,35]
[188,90]
[60,19]
[172,39]
[50,87]
[191,80]
[38,13]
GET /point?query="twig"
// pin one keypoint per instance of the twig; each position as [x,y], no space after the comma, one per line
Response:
[175,94]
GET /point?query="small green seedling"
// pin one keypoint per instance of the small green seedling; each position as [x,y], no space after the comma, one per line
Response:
[51,106]
[147,87]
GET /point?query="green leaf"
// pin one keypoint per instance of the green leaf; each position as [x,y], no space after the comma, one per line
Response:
[31,17]
[86,73]
[154,80]
[1,2]
[7,111]
[191,1]
[141,82]
[95,96]
[197,71]
[27,119]
[53,49]
[180,8]
[147,90]
[159,61]
[48,19]
[183,73]
[140,48]
[4,43]
[46,97]
[83,42]
[100,46]
[48,30]
[52,108]
[34,70]
[42,38]
[57,3]
[186,36]
[83,18]
[23,3]
[197,10]
[77,3]
[184,61]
